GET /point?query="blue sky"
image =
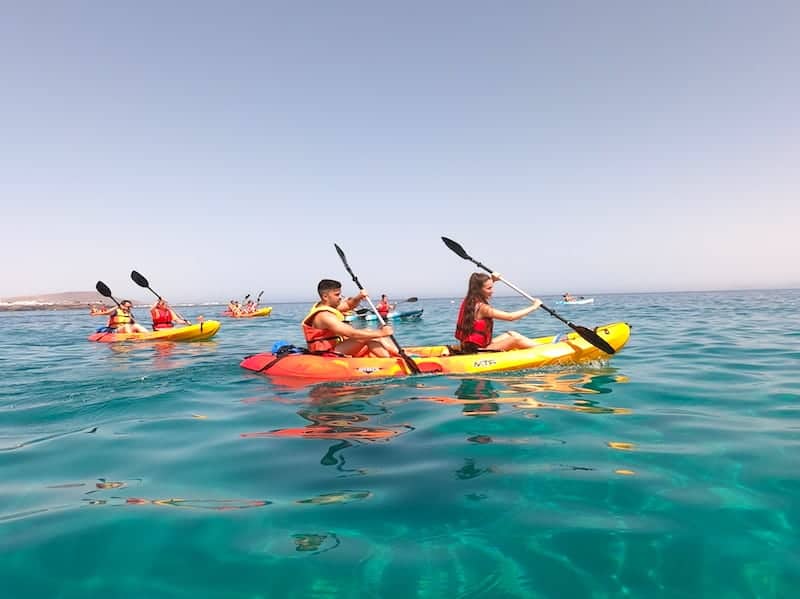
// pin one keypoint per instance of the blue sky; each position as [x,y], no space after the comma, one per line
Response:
[222,148]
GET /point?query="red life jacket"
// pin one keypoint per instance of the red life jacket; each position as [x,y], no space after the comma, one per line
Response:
[162,318]
[382,308]
[481,333]
[321,339]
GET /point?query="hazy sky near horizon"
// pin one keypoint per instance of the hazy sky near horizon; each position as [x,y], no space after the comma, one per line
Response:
[222,148]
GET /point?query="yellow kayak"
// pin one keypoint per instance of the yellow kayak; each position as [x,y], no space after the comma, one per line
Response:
[260,312]
[195,332]
[563,349]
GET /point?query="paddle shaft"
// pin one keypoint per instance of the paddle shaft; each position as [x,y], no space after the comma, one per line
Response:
[411,364]
[522,293]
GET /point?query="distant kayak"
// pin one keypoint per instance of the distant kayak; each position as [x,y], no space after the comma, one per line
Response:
[262,312]
[194,332]
[583,300]
[407,315]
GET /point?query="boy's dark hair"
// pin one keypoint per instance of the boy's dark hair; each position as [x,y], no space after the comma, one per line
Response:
[326,285]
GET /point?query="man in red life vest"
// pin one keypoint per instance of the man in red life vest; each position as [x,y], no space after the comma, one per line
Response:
[324,327]
[163,316]
[384,307]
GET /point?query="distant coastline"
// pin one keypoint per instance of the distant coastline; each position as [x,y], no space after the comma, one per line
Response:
[74,300]
[68,300]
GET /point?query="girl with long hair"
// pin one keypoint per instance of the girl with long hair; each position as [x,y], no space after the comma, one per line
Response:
[476,318]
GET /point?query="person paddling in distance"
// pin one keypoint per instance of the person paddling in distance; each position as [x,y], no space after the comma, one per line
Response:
[568,297]
[120,319]
[476,318]
[163,316]
[384,307]
[325,330]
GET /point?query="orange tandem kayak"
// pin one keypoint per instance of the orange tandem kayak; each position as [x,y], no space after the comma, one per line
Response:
[562,349]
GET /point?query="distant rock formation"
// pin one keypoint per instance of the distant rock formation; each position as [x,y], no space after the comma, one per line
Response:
[56,301]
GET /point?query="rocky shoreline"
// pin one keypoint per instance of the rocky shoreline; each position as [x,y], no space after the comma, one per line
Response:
[34,307]
[67,300]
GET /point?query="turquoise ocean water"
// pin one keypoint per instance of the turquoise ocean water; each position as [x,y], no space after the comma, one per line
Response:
[673,470]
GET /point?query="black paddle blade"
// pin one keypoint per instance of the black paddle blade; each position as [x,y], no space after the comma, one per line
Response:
[412,299]
[347,266]
[341,255]
[103,289]
[456,247]
[593,338]
[139,279]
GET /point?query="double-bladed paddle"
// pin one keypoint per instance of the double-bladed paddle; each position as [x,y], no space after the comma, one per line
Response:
[141,281]
[584,332]
[411,364]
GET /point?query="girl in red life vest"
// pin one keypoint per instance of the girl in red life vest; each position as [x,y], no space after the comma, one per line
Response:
[476,318]
[163,316]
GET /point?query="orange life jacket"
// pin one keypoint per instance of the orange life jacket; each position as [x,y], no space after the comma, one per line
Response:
[321,339]
[162,318]
[481,333]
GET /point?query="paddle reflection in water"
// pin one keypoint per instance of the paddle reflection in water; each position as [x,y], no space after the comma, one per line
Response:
[335,425]
[345,496]
[340,412]
[306,542]
[473,393]
[220,505]
[332,459]
[479,390]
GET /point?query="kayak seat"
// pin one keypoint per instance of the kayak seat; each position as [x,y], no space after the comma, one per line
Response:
[455,350]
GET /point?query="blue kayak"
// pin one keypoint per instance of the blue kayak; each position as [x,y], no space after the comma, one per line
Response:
[407,315]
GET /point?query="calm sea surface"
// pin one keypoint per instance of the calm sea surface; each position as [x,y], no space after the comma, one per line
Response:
[673,470]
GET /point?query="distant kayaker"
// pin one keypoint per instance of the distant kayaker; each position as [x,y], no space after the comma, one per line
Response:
[568,297]
[163,316]
[384,307]
[121,319]
[97,309]
[476,318]
[325,330]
